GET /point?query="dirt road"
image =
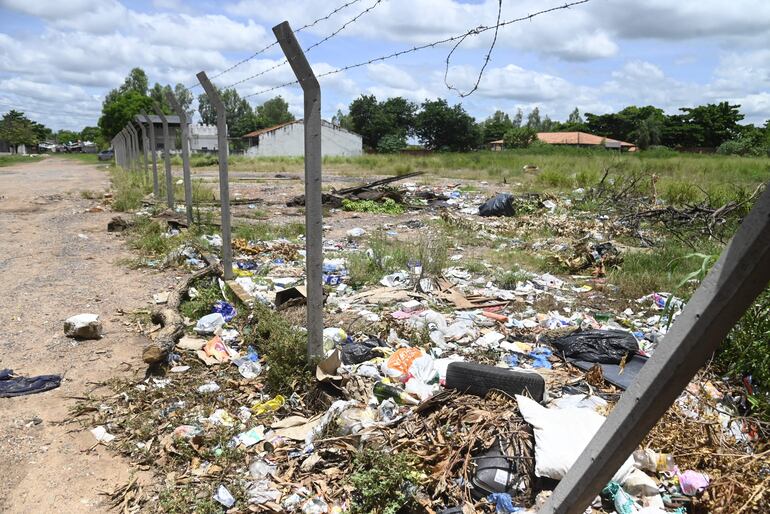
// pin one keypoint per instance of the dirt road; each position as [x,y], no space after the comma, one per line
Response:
[58,260]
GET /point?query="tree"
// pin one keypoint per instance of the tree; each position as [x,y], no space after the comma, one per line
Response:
[648,132]
[548,125]
[42,133]
[372,120]
[517,118]
[16,129]
[241,118]
[533,119]
[119,111]
[90,134]
[520,137]
[184,97]
[67,136]
[575,118]
[391,143]
[273,112]
[712,124]
[623,124]
[441,127]
[342,120]
[136,81]
[751,141]
[495,127]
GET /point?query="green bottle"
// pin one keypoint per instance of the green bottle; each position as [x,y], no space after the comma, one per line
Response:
[384,391]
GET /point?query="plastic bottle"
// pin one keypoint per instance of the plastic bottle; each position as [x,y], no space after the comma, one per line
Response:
[650,460]
[383,391]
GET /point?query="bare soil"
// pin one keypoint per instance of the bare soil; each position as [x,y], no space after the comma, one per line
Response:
[58,260]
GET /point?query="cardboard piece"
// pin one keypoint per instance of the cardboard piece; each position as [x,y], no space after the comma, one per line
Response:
[291,293]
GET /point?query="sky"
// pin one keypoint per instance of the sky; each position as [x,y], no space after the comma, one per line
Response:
[58,59]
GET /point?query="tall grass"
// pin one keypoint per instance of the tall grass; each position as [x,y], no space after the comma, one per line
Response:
[680,176]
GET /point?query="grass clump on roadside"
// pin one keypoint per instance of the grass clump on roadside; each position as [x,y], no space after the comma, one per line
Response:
[129,188]
[387,206]
[384,482]
[9,160]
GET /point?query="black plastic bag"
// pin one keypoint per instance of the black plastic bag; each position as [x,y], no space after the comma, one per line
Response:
[356,352]
[603,346]
[500,205]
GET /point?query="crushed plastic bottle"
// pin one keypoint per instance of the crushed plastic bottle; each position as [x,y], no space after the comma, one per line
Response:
[650,460]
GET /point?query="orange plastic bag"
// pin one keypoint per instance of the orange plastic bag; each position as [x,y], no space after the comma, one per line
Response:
[398,364]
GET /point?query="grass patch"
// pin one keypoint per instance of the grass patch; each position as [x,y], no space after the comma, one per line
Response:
[90,158]
[208,294]
[509,279]
[382,481]
[389,255]
[659,270]
[90,195]
[264,231]
[149,238]
[387,206]
[746,351]
[129,188]
[9,160]
[284,348]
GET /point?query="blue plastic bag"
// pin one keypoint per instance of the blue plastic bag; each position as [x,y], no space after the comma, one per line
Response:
[225,309]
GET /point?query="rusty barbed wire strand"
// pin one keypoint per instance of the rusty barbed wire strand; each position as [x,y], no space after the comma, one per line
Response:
[308,49]
[271,45]
[486,59]
[473,32]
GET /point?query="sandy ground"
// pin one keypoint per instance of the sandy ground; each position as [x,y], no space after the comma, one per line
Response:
[58,260]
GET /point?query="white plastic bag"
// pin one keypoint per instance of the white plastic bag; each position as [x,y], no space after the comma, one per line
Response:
[561,435]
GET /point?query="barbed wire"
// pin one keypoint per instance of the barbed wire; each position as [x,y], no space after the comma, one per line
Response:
[473,32]
[271,45]
[308,49]
[486,59]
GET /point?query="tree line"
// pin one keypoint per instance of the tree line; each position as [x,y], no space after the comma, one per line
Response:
[17,129]
[385,126]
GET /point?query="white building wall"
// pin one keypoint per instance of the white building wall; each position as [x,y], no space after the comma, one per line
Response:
[203,136]
[290,141]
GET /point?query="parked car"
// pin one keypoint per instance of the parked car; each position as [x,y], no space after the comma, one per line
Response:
[106,155]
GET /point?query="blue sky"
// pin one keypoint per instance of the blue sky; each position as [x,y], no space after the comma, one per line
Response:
[59,58]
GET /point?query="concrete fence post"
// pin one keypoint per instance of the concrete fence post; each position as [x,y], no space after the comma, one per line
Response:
[145,143]
[313,212]
[166,156]
[134,139]
[738,277]
[154,152]
[184,123]
[224,185]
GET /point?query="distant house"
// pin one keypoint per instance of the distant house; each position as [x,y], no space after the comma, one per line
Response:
[6,147]
[203,138]
[288,139]
[496,146]
[584,139]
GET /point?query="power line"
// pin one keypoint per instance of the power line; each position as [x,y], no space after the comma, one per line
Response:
[271,45]
[473,32]
[308,49]
[486,59]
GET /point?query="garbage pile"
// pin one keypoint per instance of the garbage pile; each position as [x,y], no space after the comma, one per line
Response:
[488,399]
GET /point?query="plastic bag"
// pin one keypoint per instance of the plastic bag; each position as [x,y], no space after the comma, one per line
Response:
[561,435]
[225,309]
[604,346]
[499,205]
[398,364]
[356,352]
[209,323]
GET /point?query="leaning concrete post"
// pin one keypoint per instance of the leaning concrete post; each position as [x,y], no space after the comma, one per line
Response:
[166,156]
[184,122]
[134,141]
[154,151]
[738,277]
[224,185]
[145,143]
[313,212]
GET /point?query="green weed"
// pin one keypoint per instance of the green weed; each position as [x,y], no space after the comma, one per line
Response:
[129,188]
[208,294]
[387,206]
[383,481]
[264,231]
[389,255]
